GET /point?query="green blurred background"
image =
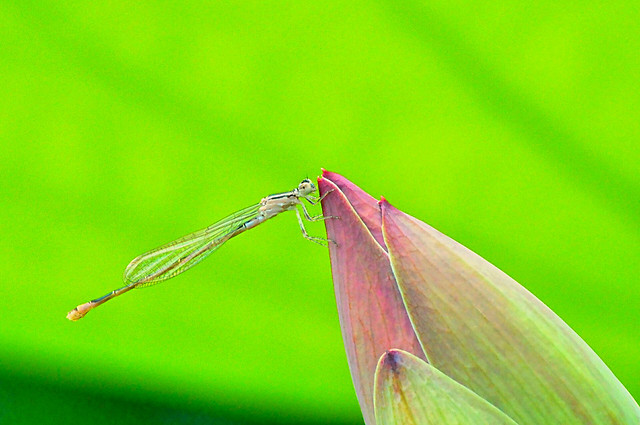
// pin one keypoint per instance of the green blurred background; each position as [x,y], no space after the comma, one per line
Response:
[511,127]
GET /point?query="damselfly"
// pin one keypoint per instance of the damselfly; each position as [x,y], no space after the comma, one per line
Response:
[180,255]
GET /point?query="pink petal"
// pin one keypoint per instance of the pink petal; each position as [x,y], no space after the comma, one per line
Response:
[372,314]
[365,205]
[483,329]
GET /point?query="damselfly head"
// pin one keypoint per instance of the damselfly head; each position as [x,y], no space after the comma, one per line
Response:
[306,187]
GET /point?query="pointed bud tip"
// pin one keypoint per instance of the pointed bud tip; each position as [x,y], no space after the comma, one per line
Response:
[334,177]
[386,206]
[383,203]
[391,359]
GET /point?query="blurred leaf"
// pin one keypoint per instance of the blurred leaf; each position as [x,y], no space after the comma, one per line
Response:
[126,124]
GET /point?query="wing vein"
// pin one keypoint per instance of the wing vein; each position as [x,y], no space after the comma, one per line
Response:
[183,253]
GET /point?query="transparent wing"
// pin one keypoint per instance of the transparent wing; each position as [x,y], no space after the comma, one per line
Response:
[180,255]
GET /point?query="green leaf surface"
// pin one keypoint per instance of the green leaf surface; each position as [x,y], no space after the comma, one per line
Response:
[512,127]
[409,391]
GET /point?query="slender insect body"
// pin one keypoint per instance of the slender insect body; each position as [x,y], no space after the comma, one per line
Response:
[253,223]
[180,255]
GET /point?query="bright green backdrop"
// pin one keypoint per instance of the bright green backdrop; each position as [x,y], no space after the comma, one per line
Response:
[512,127]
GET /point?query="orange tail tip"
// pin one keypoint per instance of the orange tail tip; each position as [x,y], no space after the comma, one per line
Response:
[79,312]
